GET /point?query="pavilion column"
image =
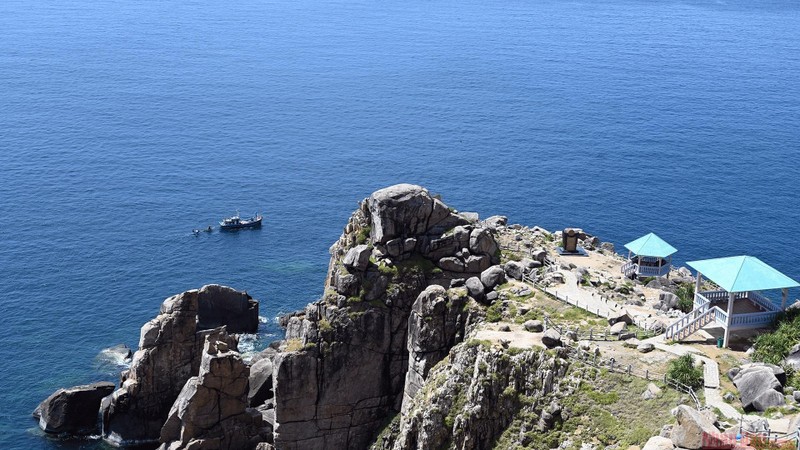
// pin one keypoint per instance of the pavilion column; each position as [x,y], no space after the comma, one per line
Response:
[731,297]
[697,282]
[785,296]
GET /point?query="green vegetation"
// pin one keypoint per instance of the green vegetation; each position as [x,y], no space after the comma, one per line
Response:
[293,345]
[773,347]
[363,235]
[685,293]
[324,325]
[761,443]
[682,370]
[608,408]
[495,312]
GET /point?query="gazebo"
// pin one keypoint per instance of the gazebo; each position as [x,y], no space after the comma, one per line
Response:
[738,305]
[648,256]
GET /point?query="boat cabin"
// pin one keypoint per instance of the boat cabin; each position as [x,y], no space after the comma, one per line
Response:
[739,303]
[648,256]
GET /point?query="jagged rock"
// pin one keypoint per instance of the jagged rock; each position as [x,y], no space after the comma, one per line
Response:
[495,222]
[481,242]
[607,246]
[211,409]
[551,338]
[667,301]
[486,411]
[620,316]
[357,258]
[617,328]
[514,269]
[758,387]
[658,443]
[476,288]
[72,411]
[645,347]
[793,358]
[403,210]
[534,326]
[692,430]
[452,264]
[224,306]
[457,282]
[530,263]
[493,276]
[754,424]
[168,355]
[475,264]
[540,255]
[491,297]
[260,382]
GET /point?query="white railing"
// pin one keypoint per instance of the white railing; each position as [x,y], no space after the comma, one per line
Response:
[761,301]
[649,271]
[754,320]
[714,296]
[720,316]
[629,268]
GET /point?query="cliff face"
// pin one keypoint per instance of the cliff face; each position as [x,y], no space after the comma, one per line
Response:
[352,367]
[471,398]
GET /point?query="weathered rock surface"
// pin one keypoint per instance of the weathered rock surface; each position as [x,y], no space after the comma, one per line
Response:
[72,411]
[437,322]
[758,386]
[260,382]
[658,443]
[224,306]
[169,354]
[692,429]
[471,399]
[211,410]
[551,338]
[493,276]
[534,326]
[358,334]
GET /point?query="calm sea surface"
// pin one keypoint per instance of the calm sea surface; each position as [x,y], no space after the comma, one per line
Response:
[126,124]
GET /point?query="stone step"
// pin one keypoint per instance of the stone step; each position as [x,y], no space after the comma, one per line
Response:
[710,374]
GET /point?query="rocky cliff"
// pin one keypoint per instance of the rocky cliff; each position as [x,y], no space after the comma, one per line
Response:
[365,347]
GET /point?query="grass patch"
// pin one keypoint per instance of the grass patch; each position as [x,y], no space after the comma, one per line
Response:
[294,345]
[685,293]
[495,312]
[363,235]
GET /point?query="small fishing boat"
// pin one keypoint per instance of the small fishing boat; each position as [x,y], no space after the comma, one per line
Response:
[236,222]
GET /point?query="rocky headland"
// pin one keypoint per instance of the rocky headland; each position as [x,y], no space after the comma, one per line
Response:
[429,335]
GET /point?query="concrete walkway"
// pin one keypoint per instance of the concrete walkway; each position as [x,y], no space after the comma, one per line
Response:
[713,398]
[572,293]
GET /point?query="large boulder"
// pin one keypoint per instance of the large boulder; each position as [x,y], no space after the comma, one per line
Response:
[260,382]
[481,242]
[793,358]
[476,288]
[514,269]
[493,276]
[224,306]
[620,316]
[357,258]
[72,411]
[667,301]
[211,409]
[617,328]
[534,326]
[551,338]
[693,429]
[758,387]
[403,210]
[658,443]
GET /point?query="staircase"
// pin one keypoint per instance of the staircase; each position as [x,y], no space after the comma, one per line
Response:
[690,323]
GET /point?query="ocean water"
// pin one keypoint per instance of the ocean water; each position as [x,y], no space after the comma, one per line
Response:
[124,125]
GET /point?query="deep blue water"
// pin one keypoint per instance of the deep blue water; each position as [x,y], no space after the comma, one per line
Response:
[123,125]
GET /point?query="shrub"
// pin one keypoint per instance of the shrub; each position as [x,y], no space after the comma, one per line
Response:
[773,347]
[685,293]
[682,370]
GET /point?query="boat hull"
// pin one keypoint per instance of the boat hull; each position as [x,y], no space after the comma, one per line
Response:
[237,226]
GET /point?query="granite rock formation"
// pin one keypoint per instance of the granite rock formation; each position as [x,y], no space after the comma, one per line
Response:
[349,367]
[72,411]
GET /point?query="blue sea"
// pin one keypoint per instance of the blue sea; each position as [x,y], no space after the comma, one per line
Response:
[126,124]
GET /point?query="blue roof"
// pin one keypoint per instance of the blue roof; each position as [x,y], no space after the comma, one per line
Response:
[742,273]
[651,245]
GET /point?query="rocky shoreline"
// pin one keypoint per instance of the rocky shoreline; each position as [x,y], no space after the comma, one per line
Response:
[386,359]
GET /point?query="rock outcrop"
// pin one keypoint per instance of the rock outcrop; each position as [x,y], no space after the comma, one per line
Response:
[759,386]
[693,430]
[400,241]
[469,401]
[224,306]
[211,410]
[72,411]
[169,353]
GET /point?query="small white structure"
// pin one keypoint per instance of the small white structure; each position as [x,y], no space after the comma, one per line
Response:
[648,256]
[738,304]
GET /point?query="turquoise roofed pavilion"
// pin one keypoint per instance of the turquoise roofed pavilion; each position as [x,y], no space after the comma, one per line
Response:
[648,256]
[738,304]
